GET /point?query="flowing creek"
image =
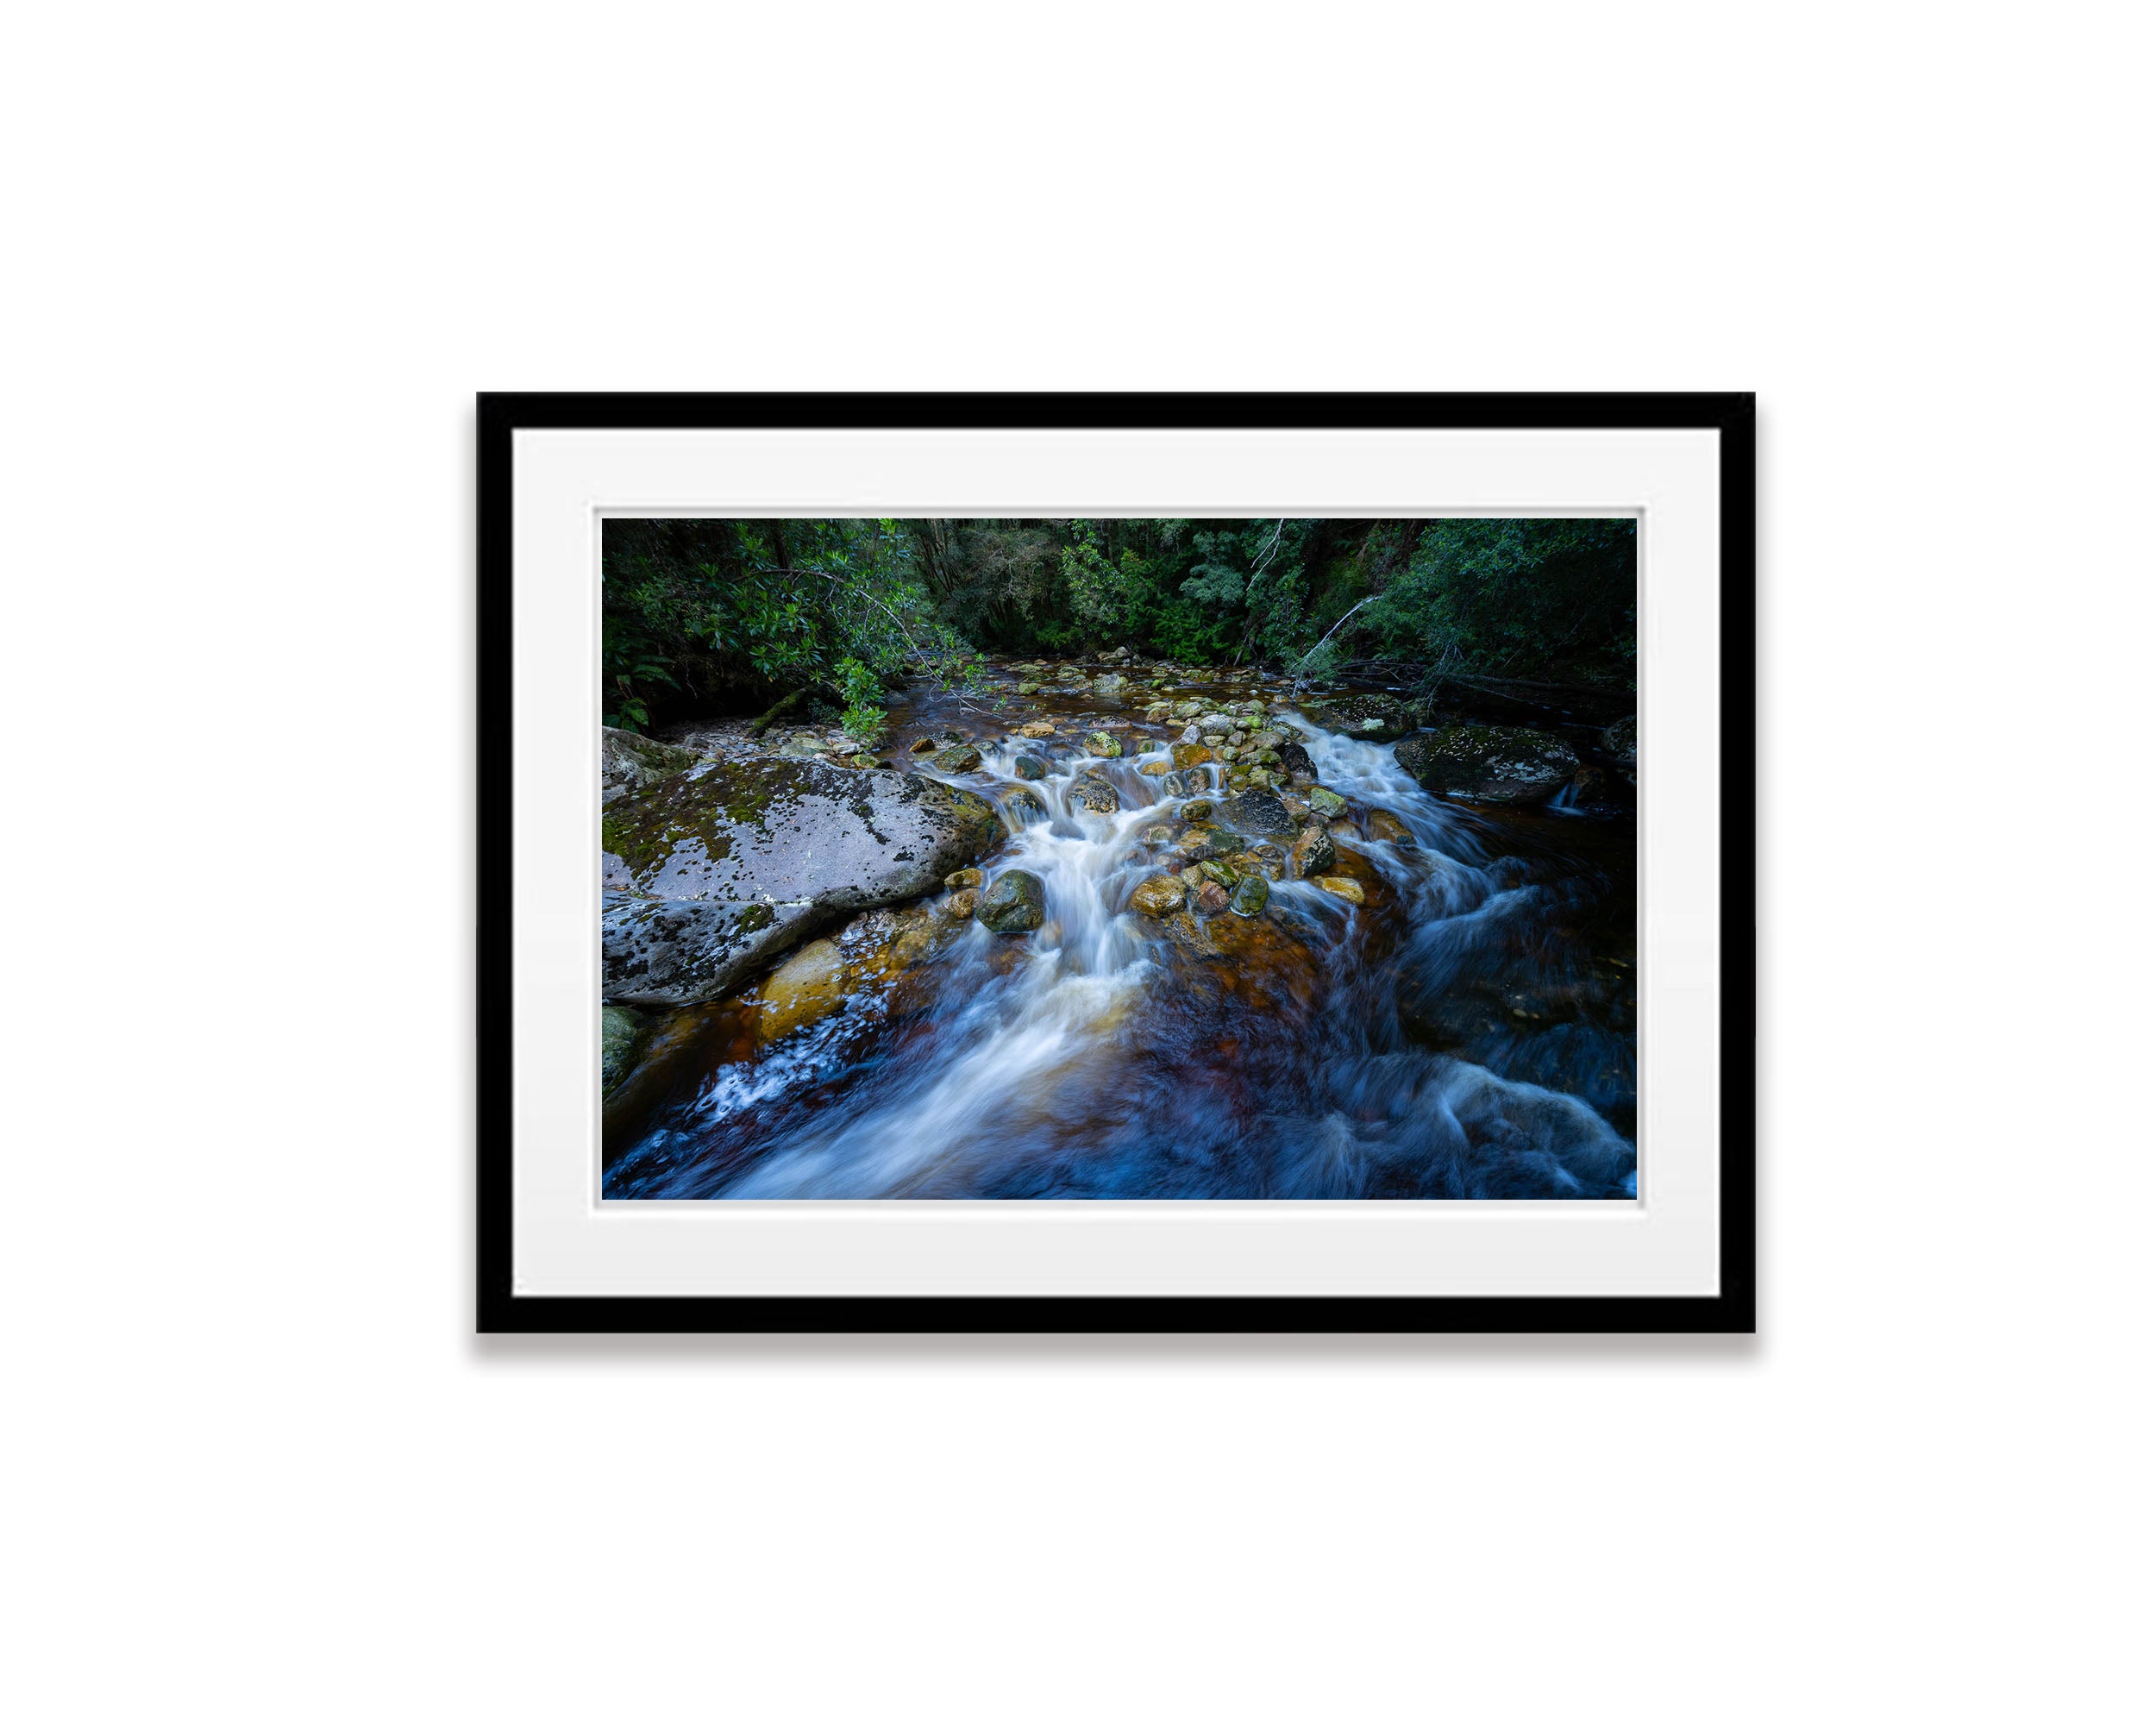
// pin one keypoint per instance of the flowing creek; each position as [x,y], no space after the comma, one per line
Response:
[1465,1032]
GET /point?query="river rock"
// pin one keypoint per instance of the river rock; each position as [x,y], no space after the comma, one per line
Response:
[959,878]
[962,904]
[1161,896]
[1202,842]
[1212,898]
[1015,903]
[1372,718]
[1494,763]
[619,1030]
[1256,814]
[1023,807]
[1096,796]
[1037,729]
[1028,687]
[1388,828]
[1294,758]
[1190,754]
[1622,739]
[1109,685]
[1250,895]
[629,763]
[1029,766]
[921,745]
[1197,810]
[1156,769]
[1326,803]
[961,757]
[1158,713]
[715,871]
[807,986]
[1311,854]
[1099,743]
[1342,888]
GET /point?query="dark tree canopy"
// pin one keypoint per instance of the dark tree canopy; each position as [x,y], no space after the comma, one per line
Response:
[728,615]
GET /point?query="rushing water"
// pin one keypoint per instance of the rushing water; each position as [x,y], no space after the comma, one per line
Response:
[1466,1033]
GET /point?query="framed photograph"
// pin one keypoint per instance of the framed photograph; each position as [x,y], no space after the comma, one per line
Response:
[1049,863]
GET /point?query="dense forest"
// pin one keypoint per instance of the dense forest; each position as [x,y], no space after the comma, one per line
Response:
[735,616]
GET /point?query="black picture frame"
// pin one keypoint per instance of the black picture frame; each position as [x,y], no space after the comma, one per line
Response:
[1733,1309]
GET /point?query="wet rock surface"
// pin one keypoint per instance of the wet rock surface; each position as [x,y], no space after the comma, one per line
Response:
[716,869]
[1015,902]
[1491,763]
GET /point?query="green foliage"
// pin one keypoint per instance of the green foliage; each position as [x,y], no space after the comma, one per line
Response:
[863,716]
[726,615]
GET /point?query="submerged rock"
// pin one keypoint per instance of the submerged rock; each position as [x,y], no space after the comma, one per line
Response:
[809,986]
[1015,903]
[1161,896]
[1496,763]
[1190,754]
[1311,854]
[1390,828]
[1342,888]
[1250,895]
[717,870]
[1029,766]
[1212,898]
[619,1032]
[1097,796]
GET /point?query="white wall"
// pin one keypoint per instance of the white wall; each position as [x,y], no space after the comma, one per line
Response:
[260,259]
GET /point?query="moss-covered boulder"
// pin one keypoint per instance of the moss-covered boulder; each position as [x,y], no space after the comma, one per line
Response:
[628,762]
[1491,763]
[1015,902]
[715,871]
[1370,717]
[1100,743]
[960,758]
[1250,895]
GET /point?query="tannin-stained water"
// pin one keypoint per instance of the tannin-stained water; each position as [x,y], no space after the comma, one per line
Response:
[1464,1033]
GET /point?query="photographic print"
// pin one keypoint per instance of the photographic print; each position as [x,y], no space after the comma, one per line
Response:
[1122,858]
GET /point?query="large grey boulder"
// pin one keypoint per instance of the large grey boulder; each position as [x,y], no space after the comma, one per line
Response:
[1491,763]
[715,871]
